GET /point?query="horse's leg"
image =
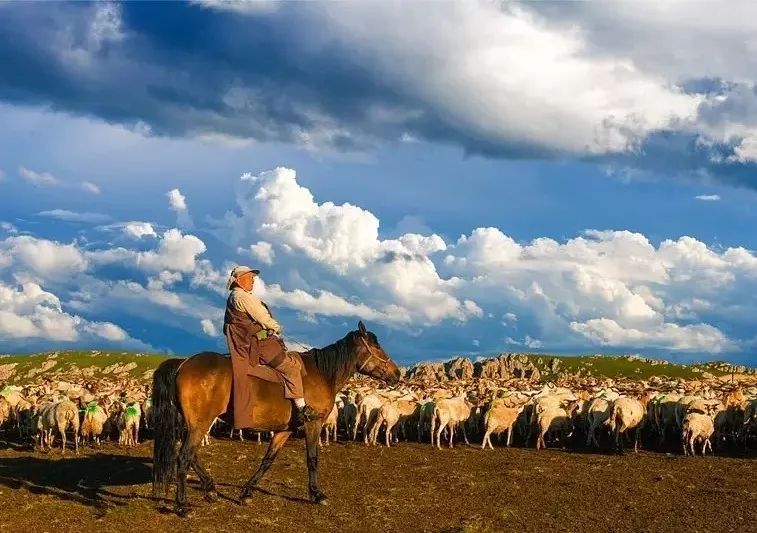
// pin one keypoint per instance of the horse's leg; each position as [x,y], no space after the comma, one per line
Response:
[277,441]
[312,430]
[187,457]
[206,481]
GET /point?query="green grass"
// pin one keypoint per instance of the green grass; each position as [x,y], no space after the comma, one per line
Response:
[612,366]
[617,366]
[67,361]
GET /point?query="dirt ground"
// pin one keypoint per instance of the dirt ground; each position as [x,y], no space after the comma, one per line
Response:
[408,488]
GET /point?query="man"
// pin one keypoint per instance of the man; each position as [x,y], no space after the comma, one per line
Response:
[253,338]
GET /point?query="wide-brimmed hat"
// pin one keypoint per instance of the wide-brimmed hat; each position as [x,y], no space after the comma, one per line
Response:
[238,271]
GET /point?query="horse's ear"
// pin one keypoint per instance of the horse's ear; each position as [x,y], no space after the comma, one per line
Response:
[361,328]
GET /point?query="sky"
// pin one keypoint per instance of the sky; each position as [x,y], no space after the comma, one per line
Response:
[466,178]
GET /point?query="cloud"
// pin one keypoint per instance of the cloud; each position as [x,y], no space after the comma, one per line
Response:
[708,197]
[31,313]
[208,327]
[42,257]
[178,203]
[345,79]
[695,337]
[138,230]
[90,187]
[617,290]
[344,241]
[176,200]
[73,216]
[38,179]
[263,251]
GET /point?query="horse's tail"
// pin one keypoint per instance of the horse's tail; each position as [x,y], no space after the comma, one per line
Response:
[165,418]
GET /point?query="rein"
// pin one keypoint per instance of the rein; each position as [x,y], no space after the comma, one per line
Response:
[371,355]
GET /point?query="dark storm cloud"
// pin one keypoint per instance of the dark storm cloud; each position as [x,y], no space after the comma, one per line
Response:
[185,70]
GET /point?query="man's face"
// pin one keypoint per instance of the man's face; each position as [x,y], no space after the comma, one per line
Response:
[246,281]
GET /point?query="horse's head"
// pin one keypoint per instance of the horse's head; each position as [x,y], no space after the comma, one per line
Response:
[372,360]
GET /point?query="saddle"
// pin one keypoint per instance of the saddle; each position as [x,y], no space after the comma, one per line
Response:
[266,373]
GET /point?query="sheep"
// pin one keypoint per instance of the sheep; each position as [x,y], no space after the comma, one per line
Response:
[368,409]
[147,412]
[329,424]
[499,418]
[349,414]
[128,424]
[598,415]
[5,411]
[553,420]
[425,412]
[93,423]
[750,419]
[449,413]
[663,414]
[696,427]
[393,414]
[627,414]
[58,415]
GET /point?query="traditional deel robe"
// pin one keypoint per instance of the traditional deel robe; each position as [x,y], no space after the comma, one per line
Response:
[250,344]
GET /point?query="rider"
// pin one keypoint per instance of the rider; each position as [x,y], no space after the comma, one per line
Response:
[253,338]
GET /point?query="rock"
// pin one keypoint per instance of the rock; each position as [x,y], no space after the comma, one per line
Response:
[64,386]
[554,364]
[7,371]
[506,367]
[47,365]
[459,368]
[428,372]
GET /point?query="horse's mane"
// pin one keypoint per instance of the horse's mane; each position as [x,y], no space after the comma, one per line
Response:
[335,360]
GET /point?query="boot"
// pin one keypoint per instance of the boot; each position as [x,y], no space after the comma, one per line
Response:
[306,414]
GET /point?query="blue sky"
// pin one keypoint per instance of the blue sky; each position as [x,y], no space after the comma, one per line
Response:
[466,178]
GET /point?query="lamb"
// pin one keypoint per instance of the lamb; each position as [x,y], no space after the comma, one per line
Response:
[93,423]
[696,427]
[499,418]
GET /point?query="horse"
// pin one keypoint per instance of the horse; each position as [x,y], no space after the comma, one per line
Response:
[188,395]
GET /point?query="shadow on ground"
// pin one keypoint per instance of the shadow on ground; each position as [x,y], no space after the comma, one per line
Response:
[84,479]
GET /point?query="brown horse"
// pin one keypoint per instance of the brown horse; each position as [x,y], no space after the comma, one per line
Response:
[198,390]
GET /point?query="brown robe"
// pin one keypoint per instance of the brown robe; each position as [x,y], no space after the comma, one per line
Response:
[246,353]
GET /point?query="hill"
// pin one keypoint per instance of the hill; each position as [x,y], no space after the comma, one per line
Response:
[83,365]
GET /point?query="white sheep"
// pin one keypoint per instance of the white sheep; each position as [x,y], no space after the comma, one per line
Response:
[499,418]
[696,427]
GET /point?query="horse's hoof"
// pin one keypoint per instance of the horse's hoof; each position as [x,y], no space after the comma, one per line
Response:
[245,499]
[184,511]
[319,499]
[211,496]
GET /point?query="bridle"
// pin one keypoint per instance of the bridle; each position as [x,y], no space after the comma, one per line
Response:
[371,355]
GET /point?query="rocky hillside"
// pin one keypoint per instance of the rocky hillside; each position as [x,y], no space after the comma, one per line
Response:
[76,366]
[547,367]
[96,365]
